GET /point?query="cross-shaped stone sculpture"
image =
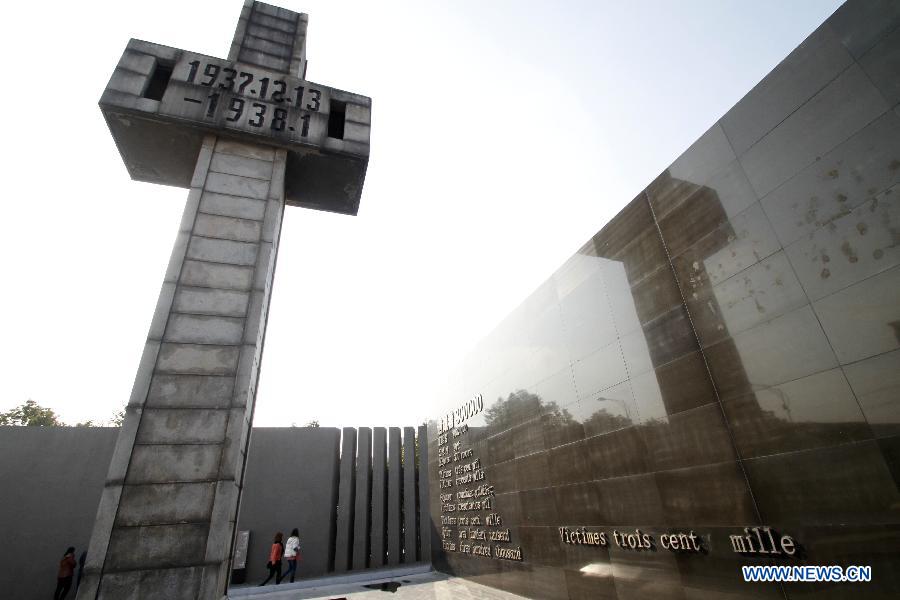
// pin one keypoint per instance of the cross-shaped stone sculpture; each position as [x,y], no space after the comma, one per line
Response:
[246,135]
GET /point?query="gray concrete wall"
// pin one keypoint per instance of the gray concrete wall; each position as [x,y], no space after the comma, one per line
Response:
[51,478]
[291,482]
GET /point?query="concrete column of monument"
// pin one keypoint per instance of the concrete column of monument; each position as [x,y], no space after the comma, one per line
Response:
[174,481]
[246,138]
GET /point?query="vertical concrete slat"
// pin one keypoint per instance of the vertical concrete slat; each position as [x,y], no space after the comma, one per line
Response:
[346,498]
[363,498]
[424,514]
[409,495]
[379,497]
[394,483]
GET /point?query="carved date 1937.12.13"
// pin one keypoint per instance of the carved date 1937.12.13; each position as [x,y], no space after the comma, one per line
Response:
[274,91]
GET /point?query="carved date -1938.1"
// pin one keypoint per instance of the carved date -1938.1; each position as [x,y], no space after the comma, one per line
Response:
[234,80]
[256,114]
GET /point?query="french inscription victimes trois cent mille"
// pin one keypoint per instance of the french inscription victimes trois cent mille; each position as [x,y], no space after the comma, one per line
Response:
[470,522]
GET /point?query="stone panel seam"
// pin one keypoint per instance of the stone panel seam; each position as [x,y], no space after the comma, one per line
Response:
[788,115]
[739,459]
[866,73]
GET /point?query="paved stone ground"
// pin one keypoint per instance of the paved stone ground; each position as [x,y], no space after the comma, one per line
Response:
[419,586]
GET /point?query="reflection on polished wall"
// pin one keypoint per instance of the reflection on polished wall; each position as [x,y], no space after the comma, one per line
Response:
[724,353]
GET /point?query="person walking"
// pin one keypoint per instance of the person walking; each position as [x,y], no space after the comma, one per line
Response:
[292,554]
[64,575]
[274,564]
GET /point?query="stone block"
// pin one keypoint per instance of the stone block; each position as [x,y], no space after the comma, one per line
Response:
[162,546]
[169,584]
[127,82]
[142,64]
[276,187]
[227,228]
[128,101]
[860,25]
[236,185]
[247,373]
[103,524]
[275,11]
[120,461]
[855,171]
[222,522]
[161,314]
[201,168]
[233,164]
[249,150]
[191,205]
[222,251]
[164,52]
[232,206]
[269,33]
[882,65]
[204,329]
[190,359]
[209,301]
[255,316]
[90,585]
[356,113]
[843,107]
[272,223]
[184,391]
[265,267]
[267,46]
[176,258]
[805,71]
[173,463]
[165,503]
[274,23]
[355,132]
[270,62]
[182,426]
[861,320]
[235,444]
[212,275]
[144,373]
[214,579]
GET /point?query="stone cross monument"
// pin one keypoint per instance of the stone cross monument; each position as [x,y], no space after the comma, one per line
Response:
[246,136]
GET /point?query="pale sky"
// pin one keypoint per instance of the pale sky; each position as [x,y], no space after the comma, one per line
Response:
[504,135]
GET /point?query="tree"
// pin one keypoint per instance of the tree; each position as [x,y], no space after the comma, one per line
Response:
[522,406]
[30,414]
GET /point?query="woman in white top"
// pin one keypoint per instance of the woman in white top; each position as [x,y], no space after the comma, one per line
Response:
[292,554]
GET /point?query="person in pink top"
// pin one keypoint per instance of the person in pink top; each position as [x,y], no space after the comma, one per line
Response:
[274,564]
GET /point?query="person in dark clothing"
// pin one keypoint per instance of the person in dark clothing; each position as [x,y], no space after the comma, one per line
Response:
[81,560]
[274,564]
[64,576]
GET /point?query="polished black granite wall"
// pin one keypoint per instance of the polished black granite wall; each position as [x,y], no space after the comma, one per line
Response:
[724,353]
